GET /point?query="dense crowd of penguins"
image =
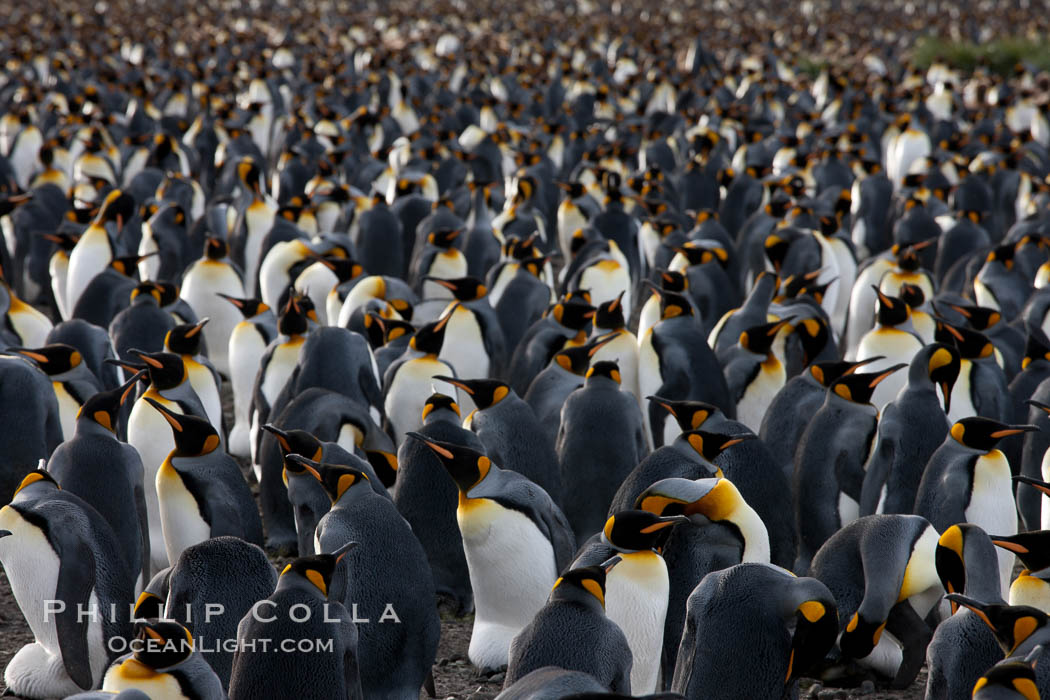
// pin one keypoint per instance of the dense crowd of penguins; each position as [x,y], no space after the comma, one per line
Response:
[693,349]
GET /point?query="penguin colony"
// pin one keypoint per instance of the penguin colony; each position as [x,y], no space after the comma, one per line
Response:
[679,364]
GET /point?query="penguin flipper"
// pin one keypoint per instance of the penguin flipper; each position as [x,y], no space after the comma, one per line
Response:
[428,684]
[143,517]
[914,635]
[76,578]
[877,470]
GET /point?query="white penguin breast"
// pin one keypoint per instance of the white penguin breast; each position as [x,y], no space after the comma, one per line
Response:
[161,686]
[636,599]
[1044,500]
[623,350]
[150,434]
[316,281]
[203,383]
[32,569]
[606,279]
[464,346]
[409,389]
[204,281]
[29,325]
[751,408]
[282,363]
[90,256]
[962,396]
[68,407]
[992,506]
[447,265]
[180,514]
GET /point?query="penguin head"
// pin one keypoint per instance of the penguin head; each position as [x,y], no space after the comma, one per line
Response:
[1032,548]
[429,338]
[639,530]
[971,344]
[709,444]
[462,288]
[964,550]
[343,268]
[215,248]
[858,387]
[37,482]
[980,318]
[54,359]
[861,636]
[609,315]
[577,359]
[983,434]
[912,295]
[185,338]
[1012,624]
[672,281]
[247,307]
[148,605]
[466,466]
[166,370]
[439,402]
[1012,678]
[297,442]
[827,373]
[940,364]
[127,265]
[162,644]
[318,569]
[890,311]
[689,415]
[573,315]
[702,252]
[712,499]
[1003,255]
[759,339]
[194,437]
[296,314]
[444,238]
[485,393]
[336,479]
[1037,347]
[673,305]
[813,334]
[103,407]
[117,208]
[249,175]
[603,369]
[146,292]
[586,583]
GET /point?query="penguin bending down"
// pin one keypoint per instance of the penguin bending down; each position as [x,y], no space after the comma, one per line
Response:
[881,570]
[515,539]
[164,664]
[757,611]
[573,632]
[60,556]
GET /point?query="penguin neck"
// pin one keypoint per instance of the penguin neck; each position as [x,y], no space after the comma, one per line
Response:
[443,415]
[352,496]
[292,581]
[601,382]
[982,575]
[87,426]
[569,594]
[754,533]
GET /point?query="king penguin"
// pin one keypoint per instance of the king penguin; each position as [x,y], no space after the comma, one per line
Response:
[205,284]
[165,664]
[200,490]
[246,346]
[515,539]
[71,379]
[184,340]
[572,631]
[753,373]
[54,547]
[968,480]
[95,249]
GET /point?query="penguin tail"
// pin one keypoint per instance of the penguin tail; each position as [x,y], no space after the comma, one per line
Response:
[428,685]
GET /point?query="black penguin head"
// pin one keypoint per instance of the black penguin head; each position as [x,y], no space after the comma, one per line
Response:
[759,339]
[609,315]
[689,415]
[431,337]
[1032,548]
[912,295]
[604,368]
[53,359]
[336,479]
[578,359]
[702,252]
[942,366]
[890,311]
[1003,254]
[247,307]
[127,265]
[162,644]
[166,370]
[384,464]
[483,392]
[437,402]
[249,174]
[117,208]
[379,331]
[296,314]
[950,558]
[573,190]
[1012,624]
[37,479]
[444,238]
[858,387]
[979,433]
[194,437]
[589,580]
[466,466]
[673,281]
[148,291]
[573,315]
[215,248]
[813,334]
[319,568]
[169,293]
[462,288]
[1037,347]
[344,269]
[639,530]
[185,338]
[827,373]
[1014,678]
[971,344]
[980,318]
[860,636]
[148,605]
[103,407]
[709,445]
[673,305]
[297,442]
